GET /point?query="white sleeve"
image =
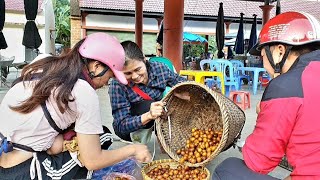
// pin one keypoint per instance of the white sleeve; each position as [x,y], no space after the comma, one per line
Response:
[88,109]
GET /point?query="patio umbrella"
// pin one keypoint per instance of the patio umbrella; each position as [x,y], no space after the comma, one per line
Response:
[278,7]
[230,53]
[239,46]
[193,38]
[31,36]
[160,34]
[253,33]
[3,43]
[220,31]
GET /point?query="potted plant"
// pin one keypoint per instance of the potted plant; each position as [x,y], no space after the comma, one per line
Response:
[62,18]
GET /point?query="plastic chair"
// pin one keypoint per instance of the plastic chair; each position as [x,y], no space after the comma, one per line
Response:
[205,61]
[164,60]
[230,78]
[5,64]
[244,98]
[264,80]
[167,62]
[208,81]
[241,74]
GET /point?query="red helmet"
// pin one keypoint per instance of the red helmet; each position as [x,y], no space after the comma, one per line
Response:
[292,28]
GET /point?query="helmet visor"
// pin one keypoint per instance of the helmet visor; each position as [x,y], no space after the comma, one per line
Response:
[255,50]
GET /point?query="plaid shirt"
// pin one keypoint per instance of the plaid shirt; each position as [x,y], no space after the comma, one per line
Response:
[121,96]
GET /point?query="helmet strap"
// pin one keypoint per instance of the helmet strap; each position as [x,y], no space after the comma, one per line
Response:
[91,74]
[106,68]
[285,56]
[269,56]
[277,67]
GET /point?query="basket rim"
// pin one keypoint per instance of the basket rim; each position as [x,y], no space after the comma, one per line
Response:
[150,164]
[224,118]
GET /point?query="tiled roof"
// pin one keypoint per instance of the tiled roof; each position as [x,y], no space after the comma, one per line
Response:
[232,8]
[18,5]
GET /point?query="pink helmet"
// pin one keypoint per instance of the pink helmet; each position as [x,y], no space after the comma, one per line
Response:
[106,49]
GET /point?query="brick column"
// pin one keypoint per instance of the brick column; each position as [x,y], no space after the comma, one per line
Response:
[75,23]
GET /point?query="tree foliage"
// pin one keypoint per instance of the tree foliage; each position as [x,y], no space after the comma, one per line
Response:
[195,50]
[62,17]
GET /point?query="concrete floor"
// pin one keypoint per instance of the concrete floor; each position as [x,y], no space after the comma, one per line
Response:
[107,120]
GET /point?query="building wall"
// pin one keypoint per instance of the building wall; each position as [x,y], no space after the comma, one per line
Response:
[13,32]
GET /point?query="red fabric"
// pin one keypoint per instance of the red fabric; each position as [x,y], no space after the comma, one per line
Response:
[88,79]
[69,135]
[144,95]
[289,126]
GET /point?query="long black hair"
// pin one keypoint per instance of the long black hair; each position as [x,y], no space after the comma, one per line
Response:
[58,74]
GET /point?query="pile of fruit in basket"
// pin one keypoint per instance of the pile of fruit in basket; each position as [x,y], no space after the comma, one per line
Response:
[181,172]
[200,146]
[121,178]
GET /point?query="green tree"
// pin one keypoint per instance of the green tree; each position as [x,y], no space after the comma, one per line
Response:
[62,17]
[195,50]
[213,45]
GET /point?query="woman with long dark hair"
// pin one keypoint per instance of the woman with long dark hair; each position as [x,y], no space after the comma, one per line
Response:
[53,94]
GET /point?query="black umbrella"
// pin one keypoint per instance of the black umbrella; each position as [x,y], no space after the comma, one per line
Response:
[3,43]
[253,33]
[278,7]
[160,35]
[31,36]
[230,53]
[239,46]
[220,31]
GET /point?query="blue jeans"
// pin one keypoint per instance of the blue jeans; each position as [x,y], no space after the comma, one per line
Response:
[235,168]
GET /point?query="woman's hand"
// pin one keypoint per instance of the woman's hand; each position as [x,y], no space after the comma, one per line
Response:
[156,110]
[182,95]
[141,153]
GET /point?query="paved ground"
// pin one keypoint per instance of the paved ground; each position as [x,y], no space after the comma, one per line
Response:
[107,120]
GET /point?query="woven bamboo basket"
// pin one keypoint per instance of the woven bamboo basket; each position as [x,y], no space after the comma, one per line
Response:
[206,109]
[173,164]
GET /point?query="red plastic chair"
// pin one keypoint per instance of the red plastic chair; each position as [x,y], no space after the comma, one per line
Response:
[244,98]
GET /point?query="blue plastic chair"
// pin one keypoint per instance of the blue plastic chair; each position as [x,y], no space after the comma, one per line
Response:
[205,61]
[230,78]
[240,74]
[208,81]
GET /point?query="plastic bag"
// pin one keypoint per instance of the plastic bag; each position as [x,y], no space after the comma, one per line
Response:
[115,175]
[142,136]
[128,166]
